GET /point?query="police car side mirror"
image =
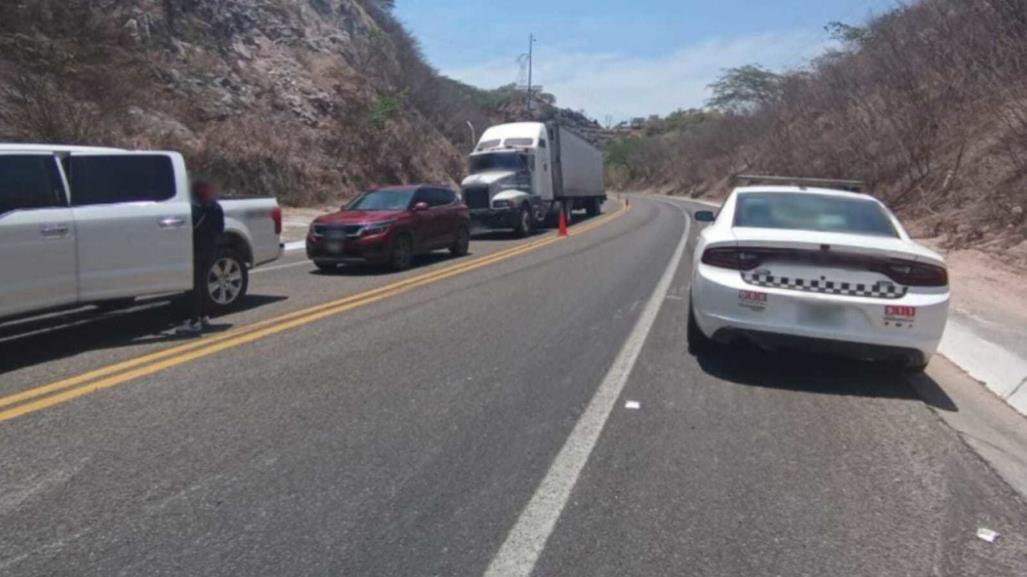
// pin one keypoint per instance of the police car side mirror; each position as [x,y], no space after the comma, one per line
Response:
[705,216]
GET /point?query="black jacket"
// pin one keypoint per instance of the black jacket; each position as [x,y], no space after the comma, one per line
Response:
[208,225]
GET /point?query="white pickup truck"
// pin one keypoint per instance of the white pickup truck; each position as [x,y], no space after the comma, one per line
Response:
[104,226]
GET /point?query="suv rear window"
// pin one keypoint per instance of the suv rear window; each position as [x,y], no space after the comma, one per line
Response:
[29,182]
[814,212]
[115,179]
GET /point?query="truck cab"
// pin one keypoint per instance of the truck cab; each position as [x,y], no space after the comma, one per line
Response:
[510,183]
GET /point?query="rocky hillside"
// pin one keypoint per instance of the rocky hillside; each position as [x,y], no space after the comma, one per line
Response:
[309,100]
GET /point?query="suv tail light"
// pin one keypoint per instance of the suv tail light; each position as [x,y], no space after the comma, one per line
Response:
[901,271]
[276,215]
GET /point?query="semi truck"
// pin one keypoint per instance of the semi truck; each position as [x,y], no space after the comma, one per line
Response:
[522,175]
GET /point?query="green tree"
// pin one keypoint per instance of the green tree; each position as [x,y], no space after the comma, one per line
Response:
[745,89]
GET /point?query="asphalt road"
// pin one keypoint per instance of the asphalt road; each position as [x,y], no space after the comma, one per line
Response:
[473,423]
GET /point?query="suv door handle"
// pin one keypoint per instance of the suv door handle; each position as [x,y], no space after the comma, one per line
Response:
[172,222]
[54,230]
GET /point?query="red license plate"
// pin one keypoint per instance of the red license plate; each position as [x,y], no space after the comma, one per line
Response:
[901,312]
[752,296]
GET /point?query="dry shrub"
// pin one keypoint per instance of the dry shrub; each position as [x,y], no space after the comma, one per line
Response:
[916,104]
[254,157]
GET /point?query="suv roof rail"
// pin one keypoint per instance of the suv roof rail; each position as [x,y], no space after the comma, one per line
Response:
[801,182]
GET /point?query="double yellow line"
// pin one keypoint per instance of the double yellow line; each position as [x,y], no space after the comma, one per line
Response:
[39,398]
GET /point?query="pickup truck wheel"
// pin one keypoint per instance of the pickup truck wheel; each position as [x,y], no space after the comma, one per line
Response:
[402,253]
[228,281]
[525,223]
[461,243]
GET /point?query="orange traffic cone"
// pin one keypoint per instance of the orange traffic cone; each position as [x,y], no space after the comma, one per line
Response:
[563,223]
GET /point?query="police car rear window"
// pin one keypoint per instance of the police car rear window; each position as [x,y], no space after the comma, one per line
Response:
[813,212]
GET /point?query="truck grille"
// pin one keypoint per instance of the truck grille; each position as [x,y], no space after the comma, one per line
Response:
[476,197]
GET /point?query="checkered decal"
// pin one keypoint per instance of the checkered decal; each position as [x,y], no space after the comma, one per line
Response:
[880,289]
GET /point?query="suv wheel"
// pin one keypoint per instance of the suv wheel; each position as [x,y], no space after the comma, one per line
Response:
[402,253]
[461,243]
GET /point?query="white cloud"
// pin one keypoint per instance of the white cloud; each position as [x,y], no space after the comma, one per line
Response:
[627,86]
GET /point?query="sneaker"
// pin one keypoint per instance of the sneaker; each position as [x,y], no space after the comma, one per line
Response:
[189,328]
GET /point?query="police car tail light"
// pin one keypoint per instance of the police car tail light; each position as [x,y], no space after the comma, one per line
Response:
[733,258]
[911,273]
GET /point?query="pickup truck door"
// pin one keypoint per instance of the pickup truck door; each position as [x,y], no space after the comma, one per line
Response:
[37,235]
[134,223]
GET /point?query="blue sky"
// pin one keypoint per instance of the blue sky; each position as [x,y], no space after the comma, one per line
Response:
[624,59]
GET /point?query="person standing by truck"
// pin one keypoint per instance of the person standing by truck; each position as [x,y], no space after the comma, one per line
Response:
[208,226]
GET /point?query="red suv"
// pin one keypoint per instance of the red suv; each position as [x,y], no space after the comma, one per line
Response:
[391,226]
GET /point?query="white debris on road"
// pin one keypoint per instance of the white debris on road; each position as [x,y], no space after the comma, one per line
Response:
[633,405]
[987,535]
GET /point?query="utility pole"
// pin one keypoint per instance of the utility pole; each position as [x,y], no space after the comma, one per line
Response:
[531,56]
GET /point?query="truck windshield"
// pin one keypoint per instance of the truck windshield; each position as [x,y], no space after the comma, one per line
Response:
[383,200]
[504,161]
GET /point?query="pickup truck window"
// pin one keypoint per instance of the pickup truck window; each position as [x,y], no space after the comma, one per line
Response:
[115,179]
[29,182]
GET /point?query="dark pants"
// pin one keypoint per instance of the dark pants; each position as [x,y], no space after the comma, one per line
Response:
[198,299]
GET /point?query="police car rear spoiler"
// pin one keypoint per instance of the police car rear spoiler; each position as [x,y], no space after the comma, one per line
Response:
[752,179]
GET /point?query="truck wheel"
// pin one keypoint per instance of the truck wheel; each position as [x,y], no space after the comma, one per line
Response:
[553,215]
[525,223]
[594,207]
[461,243]
[228,280]
[402,253]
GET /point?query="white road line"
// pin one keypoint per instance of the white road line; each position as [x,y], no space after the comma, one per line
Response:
[279,267]
[294,246]
[710,203]
[524,544]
